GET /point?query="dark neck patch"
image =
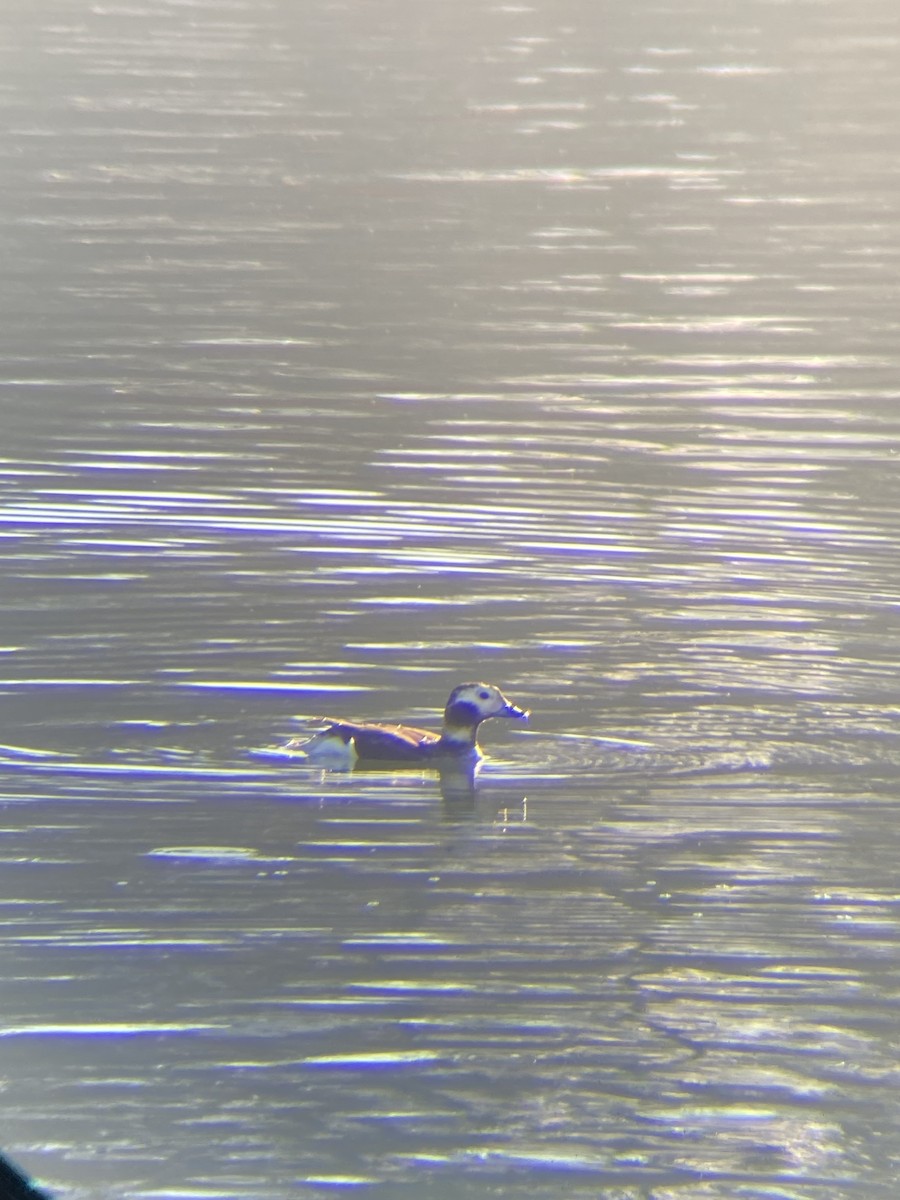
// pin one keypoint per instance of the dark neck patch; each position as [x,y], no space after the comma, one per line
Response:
[461,718]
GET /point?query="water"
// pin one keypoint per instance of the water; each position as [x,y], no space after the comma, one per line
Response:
[351,351]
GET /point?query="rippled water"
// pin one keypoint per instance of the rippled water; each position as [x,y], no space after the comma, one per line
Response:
[350,351]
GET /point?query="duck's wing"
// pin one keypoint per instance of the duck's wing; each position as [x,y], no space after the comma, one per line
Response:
[330,725]
[387,743]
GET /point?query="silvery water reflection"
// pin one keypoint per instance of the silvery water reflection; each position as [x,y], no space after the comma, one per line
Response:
[351,351]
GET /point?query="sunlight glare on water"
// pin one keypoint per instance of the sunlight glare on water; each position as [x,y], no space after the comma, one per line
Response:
[353,351]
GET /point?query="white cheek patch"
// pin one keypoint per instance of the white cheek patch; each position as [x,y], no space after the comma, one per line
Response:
[486,706]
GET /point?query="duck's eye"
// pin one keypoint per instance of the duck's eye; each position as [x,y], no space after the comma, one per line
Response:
[484,695]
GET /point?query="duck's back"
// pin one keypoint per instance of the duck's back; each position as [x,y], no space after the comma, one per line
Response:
[386,743]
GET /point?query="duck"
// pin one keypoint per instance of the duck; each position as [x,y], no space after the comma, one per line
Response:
[343,744]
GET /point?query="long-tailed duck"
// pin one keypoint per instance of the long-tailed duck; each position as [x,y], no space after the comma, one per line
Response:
[344,743]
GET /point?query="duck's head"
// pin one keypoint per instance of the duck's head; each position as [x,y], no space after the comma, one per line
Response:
[471,703]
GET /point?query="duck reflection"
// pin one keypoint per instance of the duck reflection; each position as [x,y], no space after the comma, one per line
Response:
[457,784]
[463,798]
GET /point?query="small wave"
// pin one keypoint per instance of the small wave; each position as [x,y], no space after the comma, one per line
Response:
[569,754]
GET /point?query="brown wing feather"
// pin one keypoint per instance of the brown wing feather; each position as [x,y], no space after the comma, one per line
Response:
[396,743]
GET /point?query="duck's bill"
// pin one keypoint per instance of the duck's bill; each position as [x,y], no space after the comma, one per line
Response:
[513,710]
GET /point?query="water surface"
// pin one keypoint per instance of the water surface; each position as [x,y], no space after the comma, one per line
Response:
[352,351]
